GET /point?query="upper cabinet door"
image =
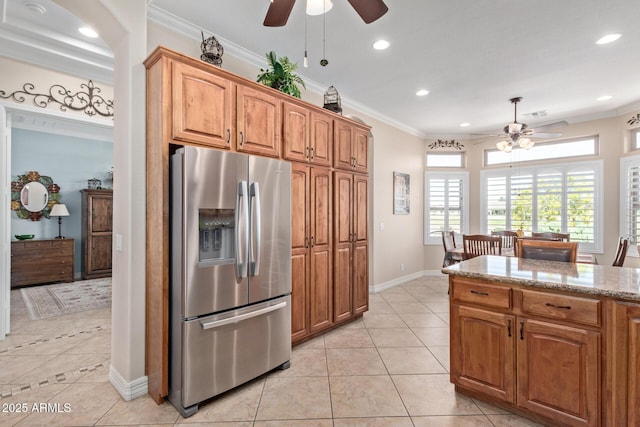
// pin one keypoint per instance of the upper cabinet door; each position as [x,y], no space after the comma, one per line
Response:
[202,107]
[321,139]
[296,133]
[361,150]
[259,120]
[342,149]
[351,147]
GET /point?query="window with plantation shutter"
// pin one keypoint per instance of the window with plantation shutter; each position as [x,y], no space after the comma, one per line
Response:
[560,198]
[630,201]
[446,199]
[636,139]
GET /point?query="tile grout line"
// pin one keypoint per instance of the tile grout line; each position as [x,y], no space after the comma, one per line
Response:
[12,348]
[52,379]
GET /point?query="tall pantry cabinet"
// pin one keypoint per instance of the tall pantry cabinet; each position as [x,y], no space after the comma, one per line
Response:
[190,102]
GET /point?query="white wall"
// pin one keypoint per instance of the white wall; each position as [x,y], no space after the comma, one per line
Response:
[70,162]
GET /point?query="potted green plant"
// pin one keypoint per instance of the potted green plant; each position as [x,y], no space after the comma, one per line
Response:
[279,75]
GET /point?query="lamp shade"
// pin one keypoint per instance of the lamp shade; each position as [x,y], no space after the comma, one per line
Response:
[59,210]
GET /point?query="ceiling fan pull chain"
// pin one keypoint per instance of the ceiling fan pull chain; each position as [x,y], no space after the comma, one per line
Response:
[324,61]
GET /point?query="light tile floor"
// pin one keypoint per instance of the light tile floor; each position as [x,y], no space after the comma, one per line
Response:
[387,369]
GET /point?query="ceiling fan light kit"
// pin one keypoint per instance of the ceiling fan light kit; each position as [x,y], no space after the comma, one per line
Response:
[318,7]
[515,133]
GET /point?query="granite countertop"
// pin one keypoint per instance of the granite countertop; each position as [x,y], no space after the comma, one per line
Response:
[616,282]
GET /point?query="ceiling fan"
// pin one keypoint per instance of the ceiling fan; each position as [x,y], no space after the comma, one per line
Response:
[519,134]
[279,11]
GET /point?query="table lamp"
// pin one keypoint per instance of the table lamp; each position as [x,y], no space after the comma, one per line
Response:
[59,210]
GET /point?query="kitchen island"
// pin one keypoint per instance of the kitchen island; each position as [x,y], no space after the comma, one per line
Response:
[556,342]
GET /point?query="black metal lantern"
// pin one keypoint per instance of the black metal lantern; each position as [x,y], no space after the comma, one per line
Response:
[332,100]
[212,51]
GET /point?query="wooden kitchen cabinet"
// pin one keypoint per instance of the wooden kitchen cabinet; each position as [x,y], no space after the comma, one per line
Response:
[624,386]
[321,139]
[307,135]
[311,238]
[483,350]
[527,349]
[203,104]
[351,147]
[558,372]
[259,122]
[351,245]
[214,111]
[360,244]
[97,235]
[295,135]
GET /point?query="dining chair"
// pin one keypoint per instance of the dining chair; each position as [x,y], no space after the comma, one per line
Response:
[548,250]
[480,244]
[562,237]
[451,254]
[509,240]
[621,252]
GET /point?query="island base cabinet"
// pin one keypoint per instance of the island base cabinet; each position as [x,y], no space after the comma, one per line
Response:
[482,352]
[558,371]
[625,383]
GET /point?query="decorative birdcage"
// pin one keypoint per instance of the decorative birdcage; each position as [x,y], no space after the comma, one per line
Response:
[332,100]
[212,51]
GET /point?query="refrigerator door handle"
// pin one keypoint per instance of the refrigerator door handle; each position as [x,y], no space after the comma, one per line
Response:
[236,319]
[242,241]
[256,240]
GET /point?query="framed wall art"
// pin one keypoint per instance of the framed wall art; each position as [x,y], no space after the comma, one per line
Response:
[401,194]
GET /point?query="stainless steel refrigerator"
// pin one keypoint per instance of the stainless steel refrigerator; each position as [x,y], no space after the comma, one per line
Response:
[230,272]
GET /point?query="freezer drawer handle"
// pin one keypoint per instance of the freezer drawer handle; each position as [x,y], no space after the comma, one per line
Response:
[240,318]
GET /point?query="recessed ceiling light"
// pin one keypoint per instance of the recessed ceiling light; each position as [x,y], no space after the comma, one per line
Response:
[86,31]
[609,38]
[604,98]
[381,45]
[465,124]
[422,92]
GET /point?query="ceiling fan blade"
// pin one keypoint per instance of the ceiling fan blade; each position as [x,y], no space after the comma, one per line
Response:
[550,126]
[278,13]
[369,10]
[546,135]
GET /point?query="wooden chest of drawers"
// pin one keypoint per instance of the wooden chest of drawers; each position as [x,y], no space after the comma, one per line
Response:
[41,261]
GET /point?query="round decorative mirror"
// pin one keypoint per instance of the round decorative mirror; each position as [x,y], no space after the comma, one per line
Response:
[33,195]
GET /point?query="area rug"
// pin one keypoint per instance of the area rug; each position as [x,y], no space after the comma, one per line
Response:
[56,300]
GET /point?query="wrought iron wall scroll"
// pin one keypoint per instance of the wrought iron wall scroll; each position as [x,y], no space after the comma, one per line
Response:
[446,143]
[88,100]
[634,120]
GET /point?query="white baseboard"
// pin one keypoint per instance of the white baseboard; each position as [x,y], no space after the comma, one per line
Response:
[128,390]
[404,279]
